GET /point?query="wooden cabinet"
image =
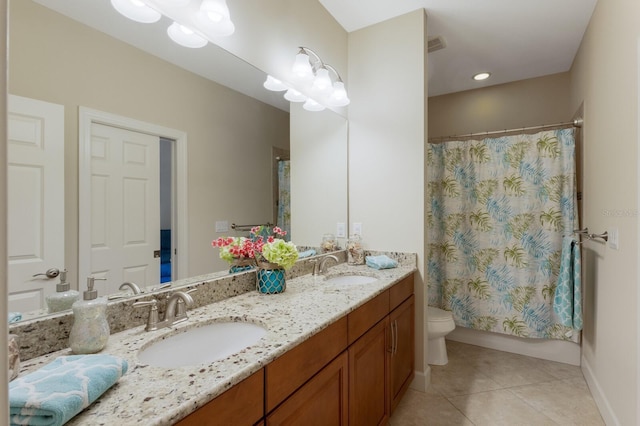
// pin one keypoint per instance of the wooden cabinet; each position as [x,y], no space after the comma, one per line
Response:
[241,405]
[401,355]
[354,372]
[368,377]
[322,401]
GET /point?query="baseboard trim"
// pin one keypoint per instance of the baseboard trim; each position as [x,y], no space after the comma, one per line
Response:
[421,380]
[552,350]
[599,396]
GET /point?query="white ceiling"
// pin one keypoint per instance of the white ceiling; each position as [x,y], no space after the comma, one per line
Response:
[512,39]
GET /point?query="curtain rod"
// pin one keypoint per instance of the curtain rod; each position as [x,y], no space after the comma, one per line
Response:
[578,122]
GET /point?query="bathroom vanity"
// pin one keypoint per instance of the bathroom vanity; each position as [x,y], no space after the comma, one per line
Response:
[333,350]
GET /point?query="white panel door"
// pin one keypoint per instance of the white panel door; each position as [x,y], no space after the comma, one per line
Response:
[125,207]
[35,201]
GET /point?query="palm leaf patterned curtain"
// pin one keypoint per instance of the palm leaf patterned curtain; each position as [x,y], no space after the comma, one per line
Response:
[284,197]
[498,209]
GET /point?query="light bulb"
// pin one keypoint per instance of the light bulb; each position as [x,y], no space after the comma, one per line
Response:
[339,96]
[185,36]
[215,10]
[293,95]
[301,69]
[311,105]
[322,82]
[274,84]
[213,17]
[136,10]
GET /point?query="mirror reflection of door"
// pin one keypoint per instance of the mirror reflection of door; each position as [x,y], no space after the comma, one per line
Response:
[35,201]
[125,206]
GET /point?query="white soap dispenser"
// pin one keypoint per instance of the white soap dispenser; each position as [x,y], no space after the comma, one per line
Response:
[90,330]
[64,297]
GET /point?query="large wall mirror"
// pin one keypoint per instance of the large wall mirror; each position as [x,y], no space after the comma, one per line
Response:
[218,130]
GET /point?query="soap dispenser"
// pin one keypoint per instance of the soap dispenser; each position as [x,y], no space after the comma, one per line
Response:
[64,297]
[90,330]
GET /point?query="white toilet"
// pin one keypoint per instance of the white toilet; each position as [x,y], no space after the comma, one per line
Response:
[440,324]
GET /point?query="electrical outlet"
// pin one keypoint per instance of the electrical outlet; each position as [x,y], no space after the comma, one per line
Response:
[341,230]
[222,226]
[357,228]
[612,235]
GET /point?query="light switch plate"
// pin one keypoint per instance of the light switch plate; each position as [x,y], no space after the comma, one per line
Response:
[222,226]
[341,230]
[612,237]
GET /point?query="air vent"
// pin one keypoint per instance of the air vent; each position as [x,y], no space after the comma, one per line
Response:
[435,43]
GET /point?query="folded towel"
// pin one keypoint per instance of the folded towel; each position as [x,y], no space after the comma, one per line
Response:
[567,302]
[306,253]
[380,262]
[14,317]
[61,389]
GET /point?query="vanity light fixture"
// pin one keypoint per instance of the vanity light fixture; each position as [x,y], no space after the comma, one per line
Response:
[311,83]
[196,22]
[482,76]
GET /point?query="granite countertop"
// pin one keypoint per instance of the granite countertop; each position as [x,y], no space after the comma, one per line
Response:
[160,396]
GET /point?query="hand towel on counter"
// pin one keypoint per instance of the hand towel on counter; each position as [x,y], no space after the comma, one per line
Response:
[380,262]
[567,302]
[14,317]
[306,253]
[61,389]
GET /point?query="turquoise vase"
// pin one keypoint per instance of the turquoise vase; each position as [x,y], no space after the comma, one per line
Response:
[271,280]
[241,265]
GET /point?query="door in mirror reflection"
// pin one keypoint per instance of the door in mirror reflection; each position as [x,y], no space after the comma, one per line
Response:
[125,206]
[35,200]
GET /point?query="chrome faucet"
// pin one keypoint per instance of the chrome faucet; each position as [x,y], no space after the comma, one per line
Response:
[319,266]
[176,311]
[133,286]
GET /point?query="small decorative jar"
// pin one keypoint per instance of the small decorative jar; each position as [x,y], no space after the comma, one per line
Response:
[241,264]
[355,252]
[271,278]
[329,243]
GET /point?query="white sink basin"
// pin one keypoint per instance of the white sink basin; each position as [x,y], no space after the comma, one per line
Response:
[201,345]
[351,279]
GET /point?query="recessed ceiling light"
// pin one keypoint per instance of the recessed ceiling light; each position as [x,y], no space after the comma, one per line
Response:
[482,76]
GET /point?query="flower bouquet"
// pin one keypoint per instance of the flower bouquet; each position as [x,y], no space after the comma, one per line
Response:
[238,251]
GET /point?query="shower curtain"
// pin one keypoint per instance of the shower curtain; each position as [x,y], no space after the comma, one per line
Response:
[498,209]
[284,197]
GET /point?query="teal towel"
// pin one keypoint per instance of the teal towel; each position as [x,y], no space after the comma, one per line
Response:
[61,389]
[380,262]
[567,302]
[306,253]
[14,317]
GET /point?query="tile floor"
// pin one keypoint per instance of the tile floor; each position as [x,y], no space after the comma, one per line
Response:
[482,386]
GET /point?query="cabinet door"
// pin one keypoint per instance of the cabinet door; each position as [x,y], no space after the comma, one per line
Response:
[322,401]
[368,377]
[240,405]
[401,323]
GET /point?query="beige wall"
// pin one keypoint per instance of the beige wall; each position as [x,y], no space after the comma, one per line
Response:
[318,174]
[387,132]
[605,77]
[230,135]
[4,397]
[532,102]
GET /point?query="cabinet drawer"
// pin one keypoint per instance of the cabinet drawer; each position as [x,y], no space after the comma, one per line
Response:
[367,315]
[294,368]
[240,405]
[400,292]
